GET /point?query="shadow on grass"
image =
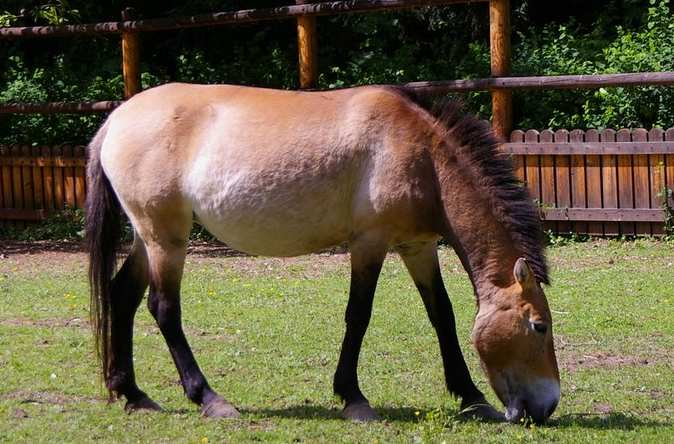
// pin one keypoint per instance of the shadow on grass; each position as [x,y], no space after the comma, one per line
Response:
[404,414]
[615,420]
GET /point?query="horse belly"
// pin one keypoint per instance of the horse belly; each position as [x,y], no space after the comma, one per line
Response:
[265,217]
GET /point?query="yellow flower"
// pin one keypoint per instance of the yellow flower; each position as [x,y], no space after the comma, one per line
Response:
[204,440]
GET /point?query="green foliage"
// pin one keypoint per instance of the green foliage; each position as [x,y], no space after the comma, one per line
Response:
[562,239]
[57,12]
[67,224]
[649,49]
[57,82]
[7,18]
[395,47]
[558,50]
[200,233]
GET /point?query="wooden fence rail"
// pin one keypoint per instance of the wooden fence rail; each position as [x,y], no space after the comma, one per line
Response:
[597,182]
[224,18]
[427,87]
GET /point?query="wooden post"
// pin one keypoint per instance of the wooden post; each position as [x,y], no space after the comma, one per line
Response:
[307,46]
[499,38]
[130,58]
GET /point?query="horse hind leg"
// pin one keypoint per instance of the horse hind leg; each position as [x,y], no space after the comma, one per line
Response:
[127,289]
[166,260]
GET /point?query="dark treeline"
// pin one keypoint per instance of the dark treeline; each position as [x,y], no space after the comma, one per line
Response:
[571,37]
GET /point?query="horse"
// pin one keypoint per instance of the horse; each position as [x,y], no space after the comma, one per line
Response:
[286,173]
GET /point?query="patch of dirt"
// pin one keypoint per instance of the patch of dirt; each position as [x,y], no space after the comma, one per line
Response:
[19,414]
[599,360]
[46,323]
[11,248]
[307,267]
[17,257]
[219,335]
[602,408]
[52,398]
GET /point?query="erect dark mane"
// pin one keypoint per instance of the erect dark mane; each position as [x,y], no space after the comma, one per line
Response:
[492,170]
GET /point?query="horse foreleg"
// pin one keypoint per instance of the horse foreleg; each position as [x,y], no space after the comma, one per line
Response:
[422,263]
[128,288]
[166,265]
[366,262]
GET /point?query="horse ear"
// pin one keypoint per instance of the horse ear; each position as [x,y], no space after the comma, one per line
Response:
[522,272]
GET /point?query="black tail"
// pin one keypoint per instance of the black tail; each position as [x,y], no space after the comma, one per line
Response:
[103,234]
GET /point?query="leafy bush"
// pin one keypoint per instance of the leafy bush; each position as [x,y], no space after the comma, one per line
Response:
[421,44]
[67,224]
[558,51]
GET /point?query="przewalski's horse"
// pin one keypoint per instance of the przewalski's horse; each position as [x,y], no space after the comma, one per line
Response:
[280,173]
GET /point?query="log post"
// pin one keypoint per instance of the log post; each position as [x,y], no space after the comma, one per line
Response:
[499,39]
[130,58]
[307,47]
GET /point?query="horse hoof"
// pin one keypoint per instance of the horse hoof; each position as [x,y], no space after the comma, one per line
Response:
[142,404]
[482,411]
[219,408]
[360,412]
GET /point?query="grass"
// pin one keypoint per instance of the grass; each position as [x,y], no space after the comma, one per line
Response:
[266,332]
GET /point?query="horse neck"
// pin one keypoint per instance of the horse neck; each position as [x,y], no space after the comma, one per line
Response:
[483,244]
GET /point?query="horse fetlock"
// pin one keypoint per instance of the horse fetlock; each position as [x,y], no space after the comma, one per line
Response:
[121,382]
[198,391]
[347,390]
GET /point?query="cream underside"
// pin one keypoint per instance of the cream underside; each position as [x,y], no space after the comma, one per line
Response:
[271,201]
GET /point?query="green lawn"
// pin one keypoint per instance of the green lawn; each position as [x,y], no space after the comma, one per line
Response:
[266,333]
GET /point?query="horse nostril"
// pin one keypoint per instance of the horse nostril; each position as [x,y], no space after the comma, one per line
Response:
[540,327]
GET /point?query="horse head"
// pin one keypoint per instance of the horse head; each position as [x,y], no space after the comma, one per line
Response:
[513,336]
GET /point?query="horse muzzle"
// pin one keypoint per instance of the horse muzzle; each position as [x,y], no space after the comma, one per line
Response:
[538,406]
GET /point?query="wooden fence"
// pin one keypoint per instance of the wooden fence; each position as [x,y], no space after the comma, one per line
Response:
[591,182]
[601,183]
[35,181]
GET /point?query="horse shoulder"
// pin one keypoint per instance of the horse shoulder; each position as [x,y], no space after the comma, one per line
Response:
[398,187]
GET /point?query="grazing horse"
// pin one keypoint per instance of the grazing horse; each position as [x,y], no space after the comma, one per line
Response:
[285,173]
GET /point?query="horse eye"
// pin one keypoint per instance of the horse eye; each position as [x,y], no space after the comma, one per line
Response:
[540,327]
